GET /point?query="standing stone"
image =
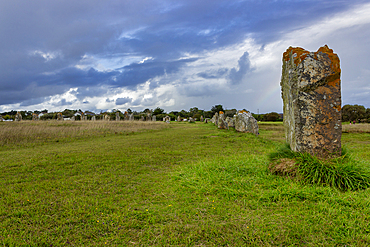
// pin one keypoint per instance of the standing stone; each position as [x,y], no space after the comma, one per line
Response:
[131,117]
[60,116]
[201,118]
[245,122]
[221,121]
[118,118]
[106,117]
[148,117]
[311,93]
[93,118]
[142,118]
[1,118]
[215,119]
[178,119]
[35,117]
[191,120]
[230,121]
[154,118]
[167,119]
[73,118]
[18,116]
[85,117]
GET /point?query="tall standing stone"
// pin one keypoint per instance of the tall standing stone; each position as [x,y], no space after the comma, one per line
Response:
[60,116]
[245,122]
[222,124]
[18,116]
[201,118]
[118,118]
[35,117]
[131,117]
[311,93]
[154,118]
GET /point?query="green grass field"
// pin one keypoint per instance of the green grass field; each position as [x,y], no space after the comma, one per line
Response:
[169,185]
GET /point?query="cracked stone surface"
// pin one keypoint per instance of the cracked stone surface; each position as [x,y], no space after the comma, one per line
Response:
[311,92]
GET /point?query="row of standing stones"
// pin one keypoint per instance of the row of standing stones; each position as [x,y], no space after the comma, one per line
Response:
[242,122]
[311,93]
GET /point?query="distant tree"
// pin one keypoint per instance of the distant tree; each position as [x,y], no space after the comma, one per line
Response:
[208,114]
[158,111]
[230,113]
[193,110]
[217,108]
[272,116]
[184,114]
[353,112]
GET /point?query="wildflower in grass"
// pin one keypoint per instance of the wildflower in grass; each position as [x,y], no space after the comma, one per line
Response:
[97,221]
[170,205]
[147,210]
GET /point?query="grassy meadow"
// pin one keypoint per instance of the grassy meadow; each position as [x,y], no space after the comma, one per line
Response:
[157,184]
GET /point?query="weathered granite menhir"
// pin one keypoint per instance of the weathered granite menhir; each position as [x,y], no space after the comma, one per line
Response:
[311,93]
[18,116]
[245,122]
[222,124]
[60,116]
[35,117]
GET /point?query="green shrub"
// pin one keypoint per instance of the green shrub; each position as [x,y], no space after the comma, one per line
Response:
[342,172]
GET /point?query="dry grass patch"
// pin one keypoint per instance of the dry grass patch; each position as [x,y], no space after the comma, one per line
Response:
[356,128]
[28,132]
[284,167]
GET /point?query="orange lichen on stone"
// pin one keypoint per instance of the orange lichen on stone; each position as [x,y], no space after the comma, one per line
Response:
[221,112]
[338,107]
[335,62]
[334,83]
[242,111]
[301,54]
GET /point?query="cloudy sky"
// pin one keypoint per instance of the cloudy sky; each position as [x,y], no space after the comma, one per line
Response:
[175,54]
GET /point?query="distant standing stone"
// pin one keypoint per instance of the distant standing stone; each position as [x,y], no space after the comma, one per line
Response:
[35,117]
[201,118]
[18,116]
[230,121]
[245,122]
[311,93]
[222,124]
[60,116]
[118,118]
[154,118]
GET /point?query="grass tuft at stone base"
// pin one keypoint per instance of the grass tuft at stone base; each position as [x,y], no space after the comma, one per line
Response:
[343,173]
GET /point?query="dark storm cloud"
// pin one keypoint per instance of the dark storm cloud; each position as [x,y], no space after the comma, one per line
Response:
[122,101]
[135,74]
[236,75]
[34,101]
[62,102]
[42,41]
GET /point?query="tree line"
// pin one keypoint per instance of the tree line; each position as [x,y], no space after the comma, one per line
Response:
[352,113]
[160,113]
